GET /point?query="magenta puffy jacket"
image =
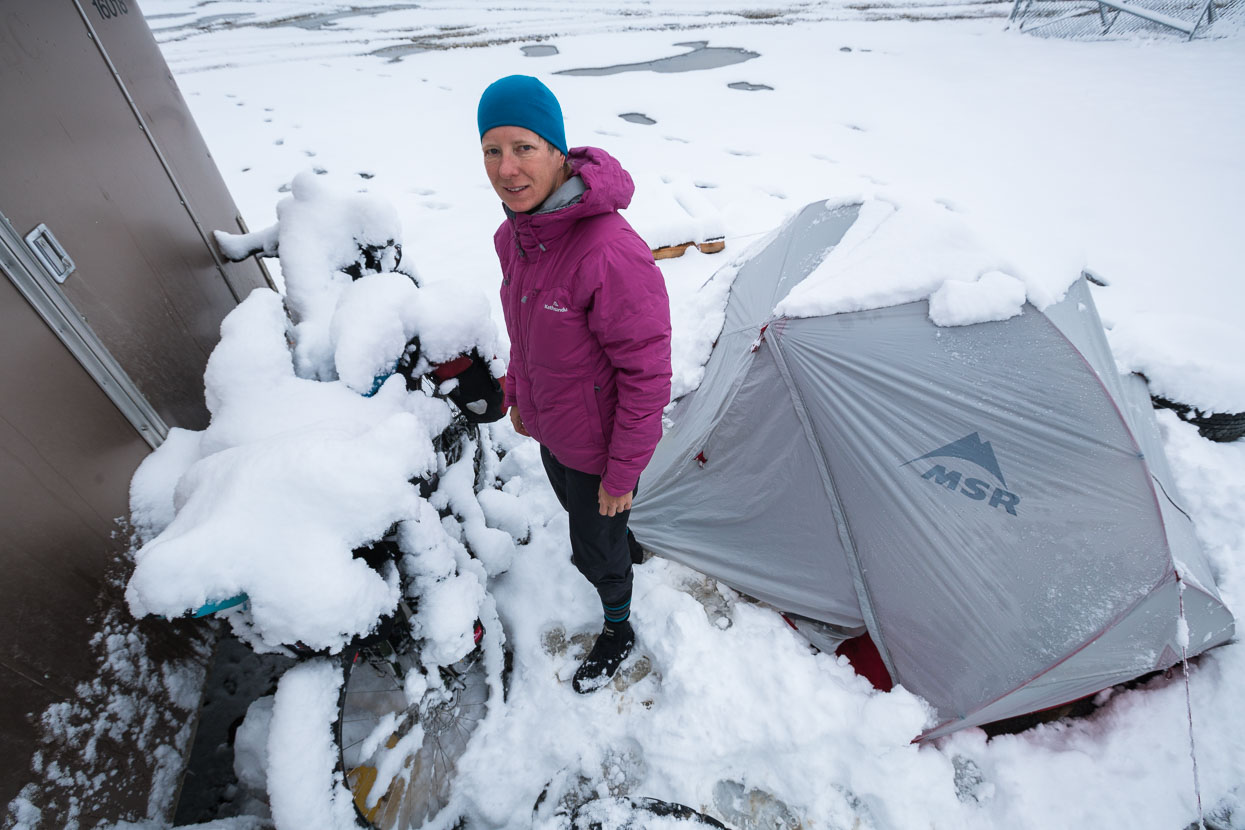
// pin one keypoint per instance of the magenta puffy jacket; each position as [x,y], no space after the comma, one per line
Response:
[589,324]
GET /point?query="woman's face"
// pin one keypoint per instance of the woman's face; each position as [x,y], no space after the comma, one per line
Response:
[522,167]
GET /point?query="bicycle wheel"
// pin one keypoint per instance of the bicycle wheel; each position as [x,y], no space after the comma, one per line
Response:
[398,758]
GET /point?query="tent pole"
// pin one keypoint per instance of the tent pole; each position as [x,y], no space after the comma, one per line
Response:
[836,504]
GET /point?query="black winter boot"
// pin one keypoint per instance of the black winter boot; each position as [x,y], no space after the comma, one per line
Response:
[611,648]
[634,548]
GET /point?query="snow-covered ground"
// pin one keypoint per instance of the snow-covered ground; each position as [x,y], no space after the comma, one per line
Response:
[1119,156]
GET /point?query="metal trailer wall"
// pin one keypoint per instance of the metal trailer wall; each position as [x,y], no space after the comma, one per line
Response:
[97,144]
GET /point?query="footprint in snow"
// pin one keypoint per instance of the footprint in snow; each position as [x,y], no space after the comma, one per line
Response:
[716,601]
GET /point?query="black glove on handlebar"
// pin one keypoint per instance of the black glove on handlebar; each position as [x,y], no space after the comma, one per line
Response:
[478,394]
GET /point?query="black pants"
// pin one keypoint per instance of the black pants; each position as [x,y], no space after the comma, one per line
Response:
[598,543]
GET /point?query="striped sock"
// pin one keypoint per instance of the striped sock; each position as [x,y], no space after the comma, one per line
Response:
[617,613]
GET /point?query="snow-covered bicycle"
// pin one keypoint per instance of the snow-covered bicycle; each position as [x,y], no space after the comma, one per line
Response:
[337,508]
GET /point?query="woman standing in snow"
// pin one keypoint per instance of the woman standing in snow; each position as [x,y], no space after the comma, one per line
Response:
[589,324]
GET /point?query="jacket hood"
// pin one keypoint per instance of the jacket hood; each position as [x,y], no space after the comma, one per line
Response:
[608,187]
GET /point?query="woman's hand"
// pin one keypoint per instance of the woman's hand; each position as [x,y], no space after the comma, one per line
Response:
[517,420]
[613,505]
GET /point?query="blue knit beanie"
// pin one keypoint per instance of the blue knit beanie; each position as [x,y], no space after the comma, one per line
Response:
[522,101]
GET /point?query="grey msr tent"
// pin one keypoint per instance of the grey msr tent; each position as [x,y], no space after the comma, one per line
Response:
[990,502]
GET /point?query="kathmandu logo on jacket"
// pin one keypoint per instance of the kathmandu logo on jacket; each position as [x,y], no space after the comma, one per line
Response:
[973,450]
[556,306]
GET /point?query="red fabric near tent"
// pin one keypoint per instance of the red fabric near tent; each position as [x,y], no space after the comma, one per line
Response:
[865,659]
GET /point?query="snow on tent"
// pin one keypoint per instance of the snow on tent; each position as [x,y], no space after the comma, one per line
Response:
[989,500]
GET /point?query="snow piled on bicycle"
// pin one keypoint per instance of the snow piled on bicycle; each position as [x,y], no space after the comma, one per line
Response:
[300,466]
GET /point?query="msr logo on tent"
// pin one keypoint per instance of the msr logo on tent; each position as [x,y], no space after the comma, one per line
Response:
[972,449]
